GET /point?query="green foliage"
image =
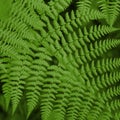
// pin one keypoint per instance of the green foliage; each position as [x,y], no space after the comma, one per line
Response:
[59,60]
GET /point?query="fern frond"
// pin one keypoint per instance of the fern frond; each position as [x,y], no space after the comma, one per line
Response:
[16,83]
[95,110]
[84,5]
[110,10]
[58,6]
[75,102]
[104,80]
[11,42]
[86,36]
[36,79]
[48,92]
[61,99]
[22,30]
[105,65]
[115,104]
[28,16]
[110,93]
[66,25]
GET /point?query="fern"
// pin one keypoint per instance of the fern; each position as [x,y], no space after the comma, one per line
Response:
[56,59]
[110,10]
